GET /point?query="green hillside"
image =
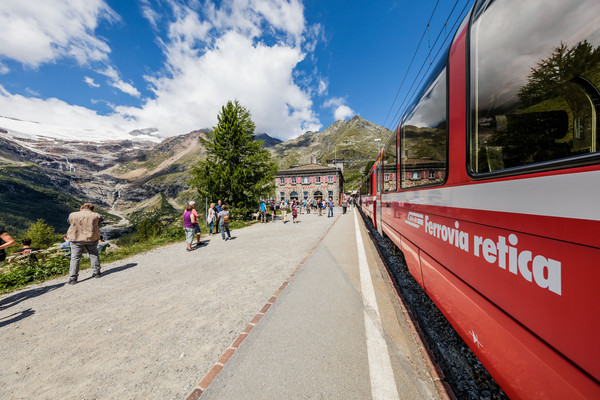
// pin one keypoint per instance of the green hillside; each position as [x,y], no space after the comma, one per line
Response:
[353,142]
[25,197]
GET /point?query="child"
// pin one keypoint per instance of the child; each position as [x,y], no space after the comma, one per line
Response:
[294,214]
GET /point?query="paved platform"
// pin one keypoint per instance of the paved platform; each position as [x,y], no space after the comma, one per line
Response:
[283,311]
[335,331]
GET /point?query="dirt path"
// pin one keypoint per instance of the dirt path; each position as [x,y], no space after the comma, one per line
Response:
[153,325]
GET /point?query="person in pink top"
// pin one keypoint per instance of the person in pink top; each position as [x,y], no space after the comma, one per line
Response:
[196,225]
[188,227]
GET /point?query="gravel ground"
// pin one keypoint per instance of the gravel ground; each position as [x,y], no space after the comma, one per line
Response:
[465,374]
[153,325]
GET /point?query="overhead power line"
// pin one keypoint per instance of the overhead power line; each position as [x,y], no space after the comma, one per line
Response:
[411,61]
[410,91]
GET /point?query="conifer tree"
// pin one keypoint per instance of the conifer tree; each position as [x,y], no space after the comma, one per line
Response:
[237,170]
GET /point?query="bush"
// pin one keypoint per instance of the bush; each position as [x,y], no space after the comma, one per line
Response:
[31,268]
[41,234]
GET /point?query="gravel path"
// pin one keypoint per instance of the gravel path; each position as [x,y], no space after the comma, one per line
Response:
[153,325]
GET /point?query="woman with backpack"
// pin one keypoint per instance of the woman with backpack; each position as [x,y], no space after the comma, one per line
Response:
[224,222]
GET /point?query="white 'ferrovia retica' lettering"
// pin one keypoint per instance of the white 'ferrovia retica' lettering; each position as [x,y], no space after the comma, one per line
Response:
[453,236]
[546,272]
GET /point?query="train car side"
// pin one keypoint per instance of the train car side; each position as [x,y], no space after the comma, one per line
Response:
[509,253]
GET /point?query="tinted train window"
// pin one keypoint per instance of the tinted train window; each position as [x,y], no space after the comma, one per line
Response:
[535,79]
[389,165]
[423,137]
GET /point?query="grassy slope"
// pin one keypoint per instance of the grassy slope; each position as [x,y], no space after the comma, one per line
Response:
[25,197]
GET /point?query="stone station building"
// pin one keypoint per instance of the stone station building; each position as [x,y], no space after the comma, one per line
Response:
[310,181]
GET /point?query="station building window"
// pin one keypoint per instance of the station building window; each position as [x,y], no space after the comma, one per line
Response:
[330,178]
[534,104]
[318,179]
[318,195]
[305,179]
[305,195]
[281,181]
[330,195]
[294,196]
[282,195]
[423,134]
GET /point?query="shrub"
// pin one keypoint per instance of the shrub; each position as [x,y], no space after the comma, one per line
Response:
[41,234]
[31,268]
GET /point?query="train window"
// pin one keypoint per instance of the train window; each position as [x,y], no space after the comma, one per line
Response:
[535,82]
[389,165]
[423,137]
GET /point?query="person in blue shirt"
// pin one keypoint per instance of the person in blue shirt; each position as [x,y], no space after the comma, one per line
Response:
[330,208]
[263,211]
[218,208]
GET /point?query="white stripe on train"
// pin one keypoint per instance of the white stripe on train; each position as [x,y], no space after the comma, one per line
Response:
[566,195]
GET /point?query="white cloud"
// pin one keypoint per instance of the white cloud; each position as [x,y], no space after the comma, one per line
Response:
[322,87]
[343,112]
[149,13]
[211,61]
[260,77]
[340,109]
[116,82]
[90,81]
[55,112]
[36,32]
[32,92]
[213,54]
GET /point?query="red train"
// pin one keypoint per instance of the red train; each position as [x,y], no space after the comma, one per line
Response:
[491,189]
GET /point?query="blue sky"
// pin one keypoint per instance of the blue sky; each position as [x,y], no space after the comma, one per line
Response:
[119,65]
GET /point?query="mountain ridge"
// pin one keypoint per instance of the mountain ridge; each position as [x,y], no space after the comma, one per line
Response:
[124,176]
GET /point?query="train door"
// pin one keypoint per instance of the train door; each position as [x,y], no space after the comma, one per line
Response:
[378,186]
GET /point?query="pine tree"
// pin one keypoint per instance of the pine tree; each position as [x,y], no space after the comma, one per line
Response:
[237,170]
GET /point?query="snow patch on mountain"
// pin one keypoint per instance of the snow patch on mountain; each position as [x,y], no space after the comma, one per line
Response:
[21,129]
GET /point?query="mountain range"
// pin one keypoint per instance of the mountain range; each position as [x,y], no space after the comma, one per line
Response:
[45,177]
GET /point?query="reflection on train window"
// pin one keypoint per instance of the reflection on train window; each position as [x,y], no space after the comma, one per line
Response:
[389,166]
[534,84]
[423,138]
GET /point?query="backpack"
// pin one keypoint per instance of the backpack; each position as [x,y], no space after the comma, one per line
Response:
[226,219]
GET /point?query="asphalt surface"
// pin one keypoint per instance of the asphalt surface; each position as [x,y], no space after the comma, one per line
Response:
[160,324]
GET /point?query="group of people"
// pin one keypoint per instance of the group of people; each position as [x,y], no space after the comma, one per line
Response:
[218,218]
[297,207]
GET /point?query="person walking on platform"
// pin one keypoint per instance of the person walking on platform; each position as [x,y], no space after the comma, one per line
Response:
[218,209]
[84,233]
[211,219]
[197,224]
[283,208]
[344,205]
[224,221]
[294,212]
[320,206]
[273,209]
[263,211]
[330,208]
[189,221]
